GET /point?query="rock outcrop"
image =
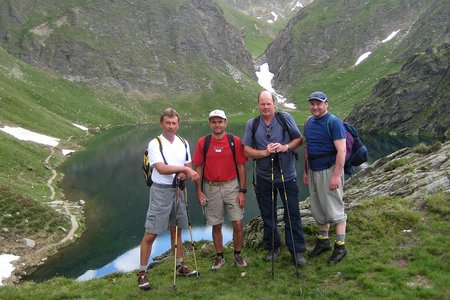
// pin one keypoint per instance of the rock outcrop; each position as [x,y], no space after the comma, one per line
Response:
[412,173]
[414,101]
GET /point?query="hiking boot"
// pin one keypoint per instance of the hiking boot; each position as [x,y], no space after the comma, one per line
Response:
[299,258]
[142,279]
[183,270]
[239,261]
[322,245]
[272,255]
[339,253]
[219,262]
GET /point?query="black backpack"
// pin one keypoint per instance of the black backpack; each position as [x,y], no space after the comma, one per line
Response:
[146,162]
[356,152]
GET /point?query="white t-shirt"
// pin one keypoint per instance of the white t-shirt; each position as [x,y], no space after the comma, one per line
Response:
[174,153]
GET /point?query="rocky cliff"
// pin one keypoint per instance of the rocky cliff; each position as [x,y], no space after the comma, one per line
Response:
[334,34]
[139,45]
[411,173]
[414,101]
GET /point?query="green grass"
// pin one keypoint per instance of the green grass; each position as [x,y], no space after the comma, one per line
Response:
[25,216]
[397,249]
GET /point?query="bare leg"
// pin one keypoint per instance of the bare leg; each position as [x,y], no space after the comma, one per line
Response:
[238,235]
[217,238]
[179,242]
[340,228]
[146,247]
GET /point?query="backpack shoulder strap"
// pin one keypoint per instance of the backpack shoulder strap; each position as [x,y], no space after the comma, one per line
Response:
[206,148]
[306,123]
[161,149]
[282,120]
[185,146]
[231,141]
[330,123]
[255,125]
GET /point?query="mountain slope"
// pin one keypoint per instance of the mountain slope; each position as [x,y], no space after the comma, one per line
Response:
[415,101]
[143,46]
[330,33]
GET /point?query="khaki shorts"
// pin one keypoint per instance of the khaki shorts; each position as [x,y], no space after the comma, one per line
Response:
[220,195]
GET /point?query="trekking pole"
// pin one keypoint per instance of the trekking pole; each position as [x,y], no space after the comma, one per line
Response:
[190,227]
[288,213]
[273,218]
[177,202]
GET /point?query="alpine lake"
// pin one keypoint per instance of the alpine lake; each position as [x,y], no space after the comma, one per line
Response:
[109,178]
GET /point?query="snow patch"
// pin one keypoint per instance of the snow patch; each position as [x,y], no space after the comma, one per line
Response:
[362,57]
[67,151]
[6,267]
[265,80]
[297,5]
[27,135]
[391,36]
[81,127]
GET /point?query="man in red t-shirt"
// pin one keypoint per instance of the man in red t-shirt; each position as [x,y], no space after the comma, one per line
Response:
[224,180]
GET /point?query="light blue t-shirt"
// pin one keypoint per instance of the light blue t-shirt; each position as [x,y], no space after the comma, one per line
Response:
[273,133]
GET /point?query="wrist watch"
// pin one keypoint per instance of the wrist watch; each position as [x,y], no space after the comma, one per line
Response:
[243,190]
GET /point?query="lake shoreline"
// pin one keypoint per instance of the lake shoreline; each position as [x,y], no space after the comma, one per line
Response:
[39,247]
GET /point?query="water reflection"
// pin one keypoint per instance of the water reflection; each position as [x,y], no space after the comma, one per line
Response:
[127,261]
[108,176]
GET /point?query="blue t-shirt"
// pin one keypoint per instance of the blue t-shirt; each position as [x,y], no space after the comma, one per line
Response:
[273,133]
[320,143]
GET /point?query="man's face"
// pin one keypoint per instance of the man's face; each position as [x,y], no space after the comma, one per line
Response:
[169,125]
[217,125]
[266,104]
[318,108]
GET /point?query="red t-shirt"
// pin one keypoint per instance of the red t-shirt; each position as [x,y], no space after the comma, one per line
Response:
[219,158]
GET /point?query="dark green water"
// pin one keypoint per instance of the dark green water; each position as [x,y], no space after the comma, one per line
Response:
[108,177]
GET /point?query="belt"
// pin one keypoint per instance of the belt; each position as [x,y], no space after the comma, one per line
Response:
[165,186]
[218,183]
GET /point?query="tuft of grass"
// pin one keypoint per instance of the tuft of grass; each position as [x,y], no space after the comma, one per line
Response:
[423,148]
[397,164]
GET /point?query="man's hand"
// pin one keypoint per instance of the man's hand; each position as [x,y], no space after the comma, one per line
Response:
[240,200]
[335,181]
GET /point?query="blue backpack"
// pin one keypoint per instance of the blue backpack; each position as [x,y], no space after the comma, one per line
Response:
[356,153]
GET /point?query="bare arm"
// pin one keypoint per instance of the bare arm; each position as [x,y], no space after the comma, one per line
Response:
[240,198]
[339,166]
[198,185]
[253,153]
[169,169]
[305,171]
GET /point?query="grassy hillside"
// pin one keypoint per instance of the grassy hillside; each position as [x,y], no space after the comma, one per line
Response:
[405,260]
[258,33]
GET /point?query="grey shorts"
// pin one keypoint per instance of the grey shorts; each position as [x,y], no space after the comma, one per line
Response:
[162,209]
[220,195]
[327,206]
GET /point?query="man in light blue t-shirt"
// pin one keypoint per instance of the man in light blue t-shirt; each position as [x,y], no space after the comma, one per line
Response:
[271,144]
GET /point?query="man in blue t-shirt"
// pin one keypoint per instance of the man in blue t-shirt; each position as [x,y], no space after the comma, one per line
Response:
[324,174]
[271,146]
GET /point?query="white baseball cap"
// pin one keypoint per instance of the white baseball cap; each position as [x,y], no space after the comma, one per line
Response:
[217,113]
